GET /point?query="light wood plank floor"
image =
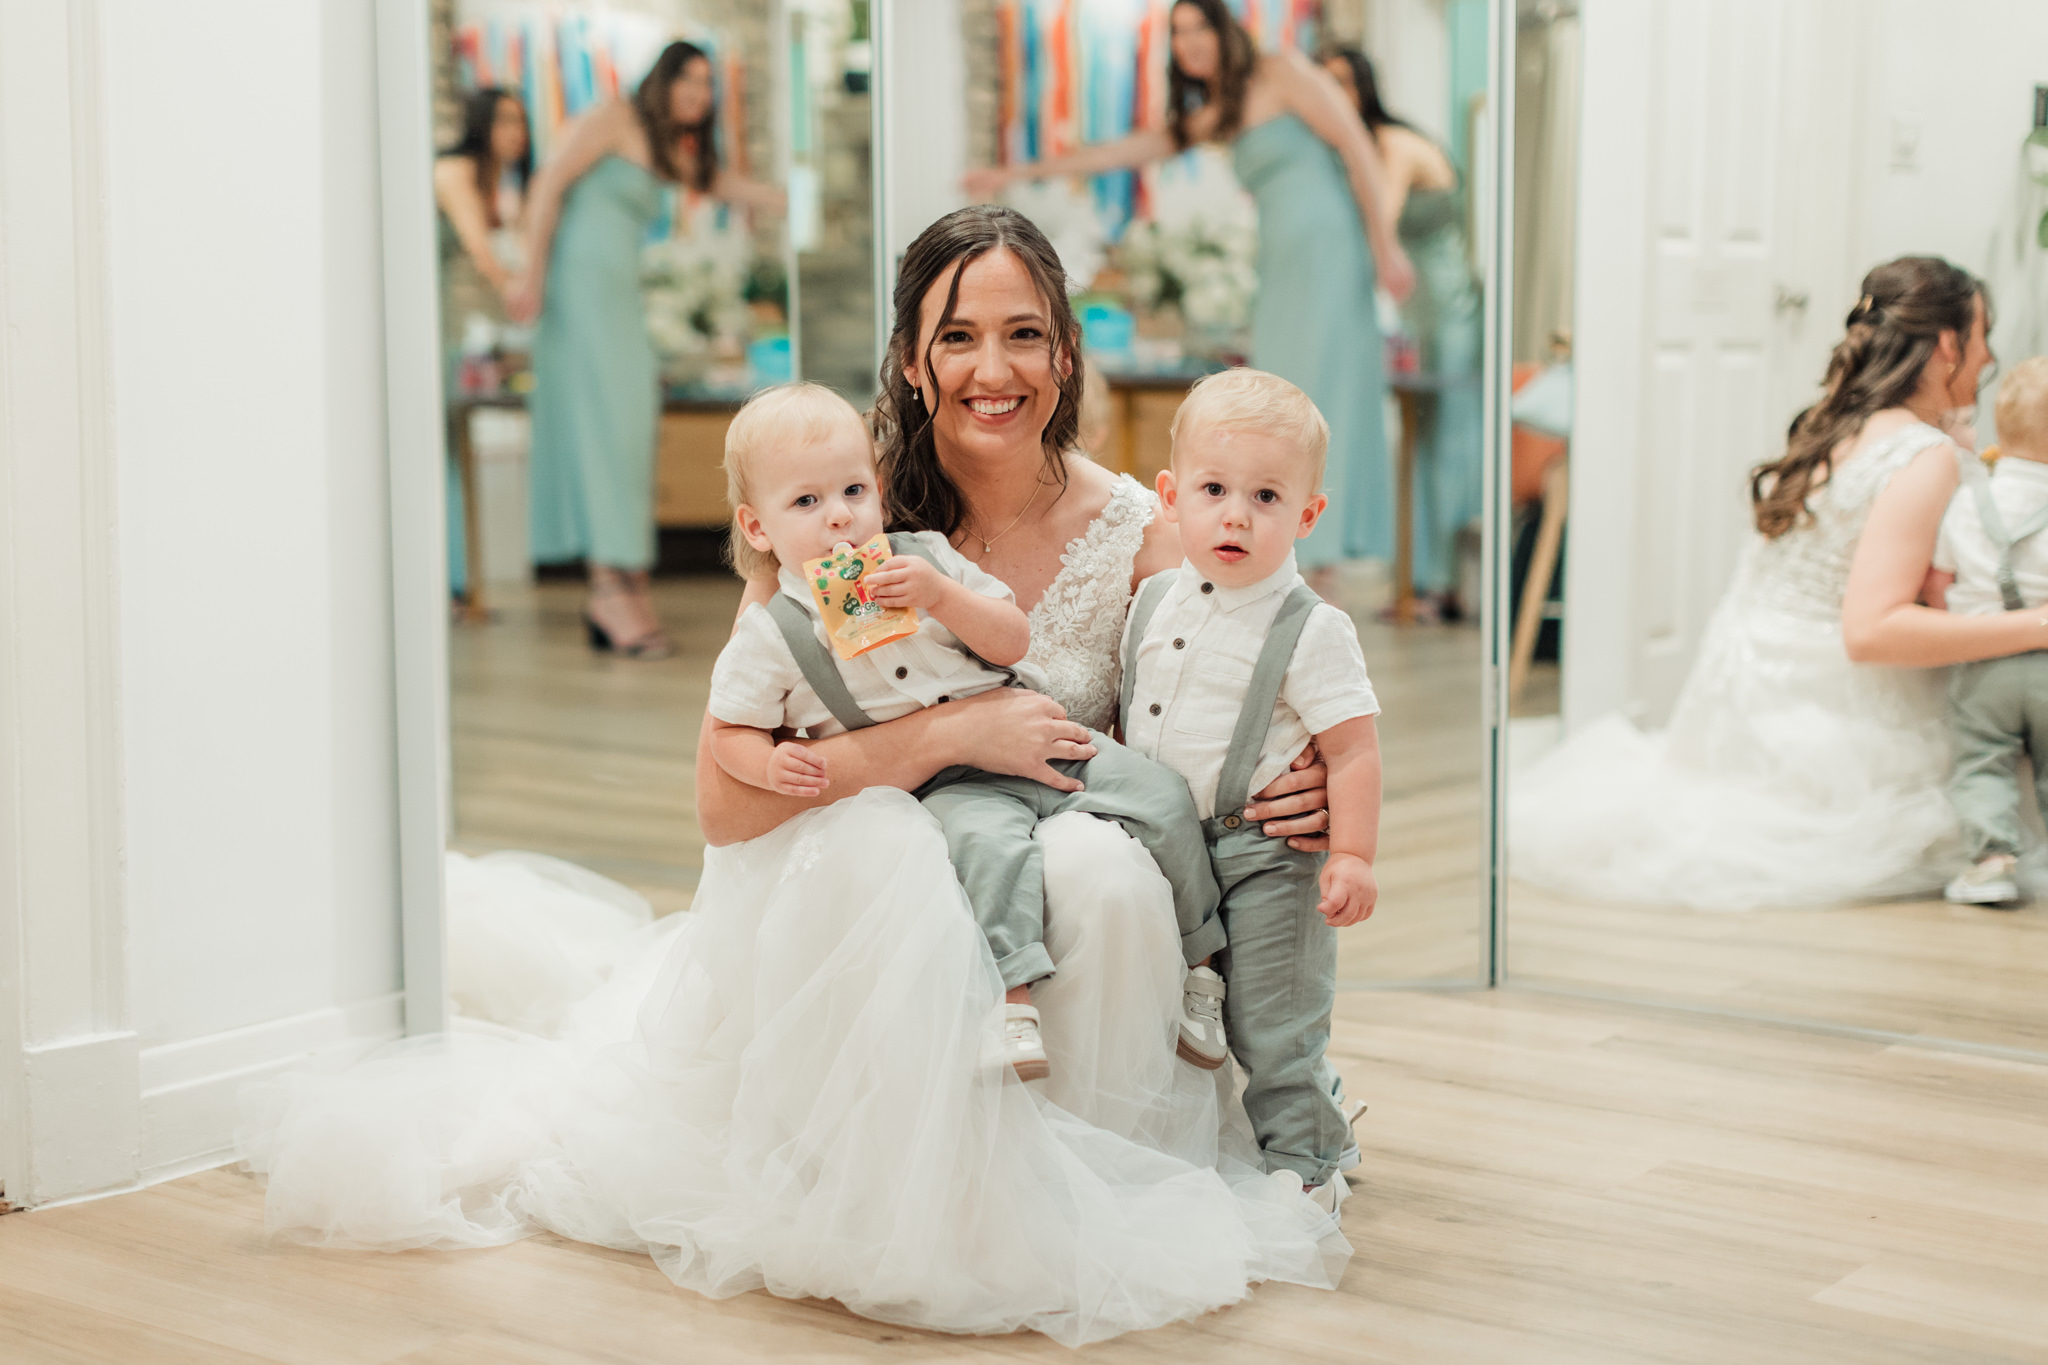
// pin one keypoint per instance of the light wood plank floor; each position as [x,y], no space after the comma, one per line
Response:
[1545,1180]
[590,758]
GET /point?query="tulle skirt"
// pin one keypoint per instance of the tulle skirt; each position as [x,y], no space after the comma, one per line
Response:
[1789,776]
[783,1089]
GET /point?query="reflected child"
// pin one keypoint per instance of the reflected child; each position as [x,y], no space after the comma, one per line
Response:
[1992,556]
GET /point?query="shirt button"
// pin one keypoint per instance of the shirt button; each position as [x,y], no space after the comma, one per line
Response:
[1232,821]
[1155,708]
[1208,587]
[1180,644]
[944,700]
[902,673]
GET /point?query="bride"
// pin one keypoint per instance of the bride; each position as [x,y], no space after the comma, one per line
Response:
[783,1088]
[1796,771]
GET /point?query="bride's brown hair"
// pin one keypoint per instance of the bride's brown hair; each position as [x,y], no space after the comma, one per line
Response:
[1893,331]
[920,495]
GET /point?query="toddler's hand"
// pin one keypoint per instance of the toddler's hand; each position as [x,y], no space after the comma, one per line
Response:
[1349,890]
[907,581]
[794,770]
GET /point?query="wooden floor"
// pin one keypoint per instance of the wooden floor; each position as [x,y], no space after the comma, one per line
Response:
[589,757]
[1545,1180]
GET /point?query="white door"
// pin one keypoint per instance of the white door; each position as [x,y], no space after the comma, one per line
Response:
[1734,171]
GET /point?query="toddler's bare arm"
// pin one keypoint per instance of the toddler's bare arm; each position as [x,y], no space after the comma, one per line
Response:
[752,756]
[1352,751]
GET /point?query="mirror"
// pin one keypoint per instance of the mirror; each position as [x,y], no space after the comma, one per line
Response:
[1707,803]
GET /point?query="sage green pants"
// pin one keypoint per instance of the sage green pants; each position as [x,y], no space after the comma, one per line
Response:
[1997,710]
[989,820]
[1281,967]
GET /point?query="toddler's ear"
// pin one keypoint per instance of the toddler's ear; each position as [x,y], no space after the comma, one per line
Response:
[749,523]
[1310,515]
[1167,492]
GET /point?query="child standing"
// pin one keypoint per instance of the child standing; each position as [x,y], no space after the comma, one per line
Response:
[1992,557]
[1231,664]
[801,479]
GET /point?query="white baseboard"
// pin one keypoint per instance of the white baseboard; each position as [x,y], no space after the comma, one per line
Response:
[191,1091]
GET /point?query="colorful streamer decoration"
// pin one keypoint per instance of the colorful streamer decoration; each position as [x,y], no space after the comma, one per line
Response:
[1080,71]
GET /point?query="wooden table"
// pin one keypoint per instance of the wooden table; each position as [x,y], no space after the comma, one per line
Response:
[689,485]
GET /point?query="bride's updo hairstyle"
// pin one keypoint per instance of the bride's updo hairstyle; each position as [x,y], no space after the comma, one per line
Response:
[1894,330]
[920,495]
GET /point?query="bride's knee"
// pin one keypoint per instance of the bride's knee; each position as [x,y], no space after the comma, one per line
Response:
[1099,879]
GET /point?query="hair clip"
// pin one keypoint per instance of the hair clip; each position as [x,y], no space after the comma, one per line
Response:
[1866,305]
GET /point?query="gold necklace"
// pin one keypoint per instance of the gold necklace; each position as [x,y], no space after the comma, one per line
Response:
[988,543]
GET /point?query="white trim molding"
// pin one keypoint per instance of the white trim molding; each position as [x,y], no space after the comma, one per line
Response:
[69,1105]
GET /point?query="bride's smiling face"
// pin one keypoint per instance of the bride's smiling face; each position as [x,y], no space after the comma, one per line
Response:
[998,385]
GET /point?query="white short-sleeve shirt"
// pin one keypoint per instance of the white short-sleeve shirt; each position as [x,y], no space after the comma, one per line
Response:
[756,680]
[1195,664]
[2020,489]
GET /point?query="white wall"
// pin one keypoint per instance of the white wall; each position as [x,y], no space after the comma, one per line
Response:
[921,78]
[252,738]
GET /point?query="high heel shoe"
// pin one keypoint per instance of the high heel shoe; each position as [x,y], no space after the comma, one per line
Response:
[653,646]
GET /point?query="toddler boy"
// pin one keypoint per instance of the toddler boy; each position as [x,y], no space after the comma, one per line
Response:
[1231,665]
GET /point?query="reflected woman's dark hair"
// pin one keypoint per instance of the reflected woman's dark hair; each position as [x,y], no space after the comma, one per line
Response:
[1893,331]
[1236,55]
[651,102]
[921,496]
[479,113]
[1367,83]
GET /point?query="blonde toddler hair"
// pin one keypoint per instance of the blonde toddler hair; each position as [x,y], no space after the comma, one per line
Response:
[2022,412]
[787,414]
[1253,400]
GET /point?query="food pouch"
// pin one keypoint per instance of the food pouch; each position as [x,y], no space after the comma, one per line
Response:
[854,622]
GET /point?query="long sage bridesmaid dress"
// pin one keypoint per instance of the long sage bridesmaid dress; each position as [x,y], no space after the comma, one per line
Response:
[1443,316]
[596,382]
[1313,324]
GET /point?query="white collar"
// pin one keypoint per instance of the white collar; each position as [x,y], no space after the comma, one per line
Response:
[790,581]
[1223,598]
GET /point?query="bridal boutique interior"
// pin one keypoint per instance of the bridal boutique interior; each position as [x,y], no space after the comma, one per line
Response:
[1598,1131]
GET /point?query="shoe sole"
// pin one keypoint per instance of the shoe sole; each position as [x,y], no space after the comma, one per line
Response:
[1194,1058]
[1031,1071]
[1995,894]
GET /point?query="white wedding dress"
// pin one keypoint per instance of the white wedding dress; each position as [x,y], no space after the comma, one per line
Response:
[782,1087]
[1789,776]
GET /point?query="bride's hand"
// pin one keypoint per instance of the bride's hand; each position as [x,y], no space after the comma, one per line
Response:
[1297,804]
[1016,731]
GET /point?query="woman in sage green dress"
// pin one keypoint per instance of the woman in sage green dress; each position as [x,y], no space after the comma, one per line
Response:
[1326,220]
[596,391]
[1443,316]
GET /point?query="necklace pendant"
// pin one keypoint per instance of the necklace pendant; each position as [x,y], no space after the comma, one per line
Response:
[986,547]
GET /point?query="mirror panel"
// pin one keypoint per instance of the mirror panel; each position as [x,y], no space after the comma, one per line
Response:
[1707,804]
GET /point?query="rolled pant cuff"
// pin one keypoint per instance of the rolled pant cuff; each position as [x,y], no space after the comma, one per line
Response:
[1026,965]
[1210,938]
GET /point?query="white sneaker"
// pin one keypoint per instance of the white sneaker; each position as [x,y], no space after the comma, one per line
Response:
[1017,1045]
[1990,882]
[1328,1196]
[1201,1020]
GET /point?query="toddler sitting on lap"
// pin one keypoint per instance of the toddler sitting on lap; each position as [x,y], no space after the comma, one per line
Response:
[801,479]
[1991,557]
[1231,663]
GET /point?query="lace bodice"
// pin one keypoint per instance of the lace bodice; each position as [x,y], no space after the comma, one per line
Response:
[1806,570]
[1077,626]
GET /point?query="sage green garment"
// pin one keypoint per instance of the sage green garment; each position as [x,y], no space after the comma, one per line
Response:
[1443,316]
[596,388]
[1313,324]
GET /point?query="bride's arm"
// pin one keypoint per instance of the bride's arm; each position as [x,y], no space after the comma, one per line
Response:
[1008,730]
[1882,619]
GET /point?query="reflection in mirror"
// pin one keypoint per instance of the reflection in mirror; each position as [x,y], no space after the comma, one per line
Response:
[1238,236]
[1767,376]
[603,317]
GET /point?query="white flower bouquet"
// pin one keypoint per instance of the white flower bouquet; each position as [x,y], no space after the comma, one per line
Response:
[695,303]
[1205,270]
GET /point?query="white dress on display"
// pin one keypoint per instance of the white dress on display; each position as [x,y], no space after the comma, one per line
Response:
[783,1087]
[1789,775]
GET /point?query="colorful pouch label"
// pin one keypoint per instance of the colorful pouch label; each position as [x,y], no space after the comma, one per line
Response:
[855,623]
